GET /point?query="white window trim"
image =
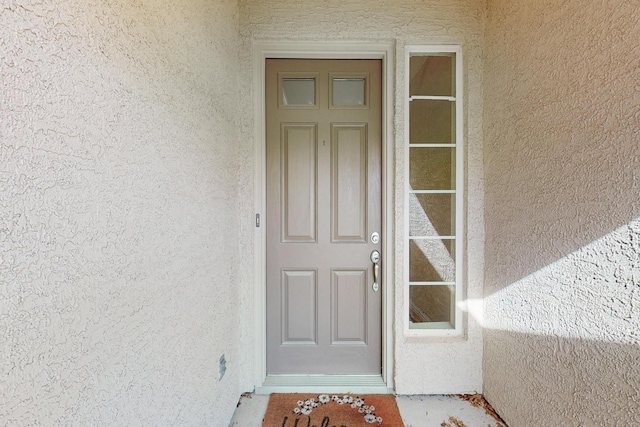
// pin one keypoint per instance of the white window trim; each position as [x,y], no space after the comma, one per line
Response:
[459,329]
[324,50]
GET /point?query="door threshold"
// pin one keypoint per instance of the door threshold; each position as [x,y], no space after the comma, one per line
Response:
[352,384]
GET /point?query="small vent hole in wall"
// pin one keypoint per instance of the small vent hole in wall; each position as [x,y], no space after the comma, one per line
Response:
[223,367]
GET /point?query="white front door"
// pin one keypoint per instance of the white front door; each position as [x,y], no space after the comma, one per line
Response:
[323,216]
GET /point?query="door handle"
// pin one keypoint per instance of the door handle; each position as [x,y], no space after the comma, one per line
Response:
[375,259]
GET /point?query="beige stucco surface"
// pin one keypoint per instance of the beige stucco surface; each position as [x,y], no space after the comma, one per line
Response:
[127,202]
[562,162]
[118,212]
[421,365]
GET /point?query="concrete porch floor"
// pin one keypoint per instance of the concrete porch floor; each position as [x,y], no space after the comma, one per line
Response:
[416,411]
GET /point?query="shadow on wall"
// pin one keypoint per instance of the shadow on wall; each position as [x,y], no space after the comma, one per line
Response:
[561,125]
[550,231]
[586,369]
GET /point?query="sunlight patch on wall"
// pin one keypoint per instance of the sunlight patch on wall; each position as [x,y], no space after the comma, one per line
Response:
[592,293]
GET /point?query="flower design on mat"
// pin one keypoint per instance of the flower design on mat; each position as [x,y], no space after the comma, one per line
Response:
[307,406]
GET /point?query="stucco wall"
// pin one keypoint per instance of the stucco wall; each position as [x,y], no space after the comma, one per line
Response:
[118,212]
[562,153]
[421,365]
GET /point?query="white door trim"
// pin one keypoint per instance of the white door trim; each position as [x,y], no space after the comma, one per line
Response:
[322,50]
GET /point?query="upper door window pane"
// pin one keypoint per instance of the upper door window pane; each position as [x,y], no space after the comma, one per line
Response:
[298,91]
[432,75]
[348,92]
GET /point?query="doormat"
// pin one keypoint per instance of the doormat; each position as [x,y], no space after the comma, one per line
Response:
[329,410]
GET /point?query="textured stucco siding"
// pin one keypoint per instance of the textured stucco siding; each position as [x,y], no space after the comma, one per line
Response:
[421,365]
[562,163]
[118,212]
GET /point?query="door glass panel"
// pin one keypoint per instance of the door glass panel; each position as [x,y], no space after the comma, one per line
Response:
[432,168]
[298,91]
[432,214]
[348,92]
[432,260]
[432,75]
[431,303]
[432,122]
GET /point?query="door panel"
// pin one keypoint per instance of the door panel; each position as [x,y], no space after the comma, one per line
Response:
[323,203]
[349,182]
[299,142]
[349,307]
[299,305]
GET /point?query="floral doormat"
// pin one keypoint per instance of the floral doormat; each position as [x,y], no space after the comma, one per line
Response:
[329,410]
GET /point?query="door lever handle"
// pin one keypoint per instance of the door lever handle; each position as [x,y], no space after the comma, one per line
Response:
[375,259]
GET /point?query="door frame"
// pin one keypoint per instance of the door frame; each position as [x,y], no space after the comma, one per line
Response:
[262,50]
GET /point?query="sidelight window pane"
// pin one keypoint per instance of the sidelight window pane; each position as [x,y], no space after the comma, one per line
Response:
[432,214]
[432,168]
[432,122]
[432,260]
[432,75]
[432,304]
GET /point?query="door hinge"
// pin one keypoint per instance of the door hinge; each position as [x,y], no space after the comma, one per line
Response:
[257,220]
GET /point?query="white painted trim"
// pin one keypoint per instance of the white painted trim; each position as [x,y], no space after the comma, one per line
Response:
[259,243]
[460,328]
[431,192]
[324,50]
[362,384]
[432,98]
[432,145]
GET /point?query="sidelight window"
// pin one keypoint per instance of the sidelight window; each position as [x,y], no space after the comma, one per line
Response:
[434,191]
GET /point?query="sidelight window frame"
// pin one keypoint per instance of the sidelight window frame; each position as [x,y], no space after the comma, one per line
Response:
[454,327]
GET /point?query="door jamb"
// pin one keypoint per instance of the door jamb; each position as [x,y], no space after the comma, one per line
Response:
[323,50]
